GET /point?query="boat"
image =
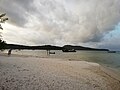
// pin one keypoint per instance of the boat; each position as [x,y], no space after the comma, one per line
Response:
[67,50]
[111,51]
[51,52]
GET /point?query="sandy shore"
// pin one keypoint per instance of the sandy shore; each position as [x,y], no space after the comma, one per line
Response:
[30,73]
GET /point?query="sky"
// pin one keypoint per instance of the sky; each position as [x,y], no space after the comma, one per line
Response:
[92,23]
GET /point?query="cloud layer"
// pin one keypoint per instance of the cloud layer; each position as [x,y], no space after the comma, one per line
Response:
[59,22]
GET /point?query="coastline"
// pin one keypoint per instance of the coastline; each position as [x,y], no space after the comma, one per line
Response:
[17,71]
[111,72]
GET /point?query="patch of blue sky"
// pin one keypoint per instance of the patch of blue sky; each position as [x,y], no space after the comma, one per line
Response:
[114,33]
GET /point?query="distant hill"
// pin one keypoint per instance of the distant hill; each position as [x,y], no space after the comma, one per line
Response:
[50,47]
[44,47]
[70,47]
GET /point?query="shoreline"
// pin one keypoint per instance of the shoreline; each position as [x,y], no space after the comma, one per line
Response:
[109,70]
[105,68]
[74,74]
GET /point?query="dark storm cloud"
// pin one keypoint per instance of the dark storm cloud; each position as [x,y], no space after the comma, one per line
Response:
[63,21]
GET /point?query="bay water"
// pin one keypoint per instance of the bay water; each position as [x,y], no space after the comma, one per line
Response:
[101,57]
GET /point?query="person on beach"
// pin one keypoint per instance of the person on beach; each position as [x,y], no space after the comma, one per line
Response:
[9,52]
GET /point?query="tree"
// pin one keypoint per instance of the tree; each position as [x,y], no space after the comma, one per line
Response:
[2,45]
[2,20]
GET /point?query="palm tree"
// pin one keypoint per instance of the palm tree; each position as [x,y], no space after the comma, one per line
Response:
[2,20]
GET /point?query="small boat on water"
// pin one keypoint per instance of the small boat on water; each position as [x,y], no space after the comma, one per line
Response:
[67,50]
[111,51]
[51,52]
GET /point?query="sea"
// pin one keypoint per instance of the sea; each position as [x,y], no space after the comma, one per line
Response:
[102,57]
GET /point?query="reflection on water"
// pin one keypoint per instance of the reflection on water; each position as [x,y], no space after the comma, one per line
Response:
[101,57]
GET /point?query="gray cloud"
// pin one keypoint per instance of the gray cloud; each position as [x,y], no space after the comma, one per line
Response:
[61,22]
[17,10]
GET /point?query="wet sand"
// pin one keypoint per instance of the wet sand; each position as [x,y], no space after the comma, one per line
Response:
[31,73]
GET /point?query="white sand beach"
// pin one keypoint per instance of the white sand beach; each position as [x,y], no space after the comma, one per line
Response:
[31,73]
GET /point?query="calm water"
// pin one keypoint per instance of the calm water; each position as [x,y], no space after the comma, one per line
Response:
[101,57]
